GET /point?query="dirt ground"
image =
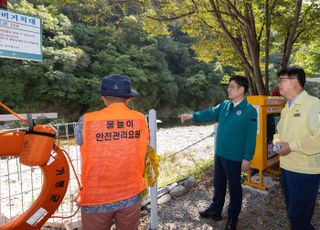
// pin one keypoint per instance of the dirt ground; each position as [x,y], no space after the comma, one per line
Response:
[260,211]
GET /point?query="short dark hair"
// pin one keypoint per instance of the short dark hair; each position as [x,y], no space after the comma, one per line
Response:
[112,99]
[241,81]
[294,70]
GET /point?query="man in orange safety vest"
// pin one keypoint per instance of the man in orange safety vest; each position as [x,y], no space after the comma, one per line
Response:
[113,149]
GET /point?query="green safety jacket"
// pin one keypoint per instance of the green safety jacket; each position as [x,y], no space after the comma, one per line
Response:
[237,129]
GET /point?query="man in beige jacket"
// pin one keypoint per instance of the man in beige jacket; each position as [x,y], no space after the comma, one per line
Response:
[298,139]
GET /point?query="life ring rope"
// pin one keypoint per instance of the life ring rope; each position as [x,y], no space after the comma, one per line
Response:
[79,184]
[55,170]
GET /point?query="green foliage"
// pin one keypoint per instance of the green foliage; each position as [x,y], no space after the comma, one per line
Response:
[234,32]
[308,56]
[182,166]
[79,50]
[182,68]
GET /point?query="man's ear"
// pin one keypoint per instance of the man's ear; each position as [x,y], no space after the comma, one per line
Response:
[128,101]
[242,90]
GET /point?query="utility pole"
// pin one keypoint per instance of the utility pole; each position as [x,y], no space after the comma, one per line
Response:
[3,4]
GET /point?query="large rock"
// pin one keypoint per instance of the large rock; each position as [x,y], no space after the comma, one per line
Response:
[178,191]
[189,183]
[164,199]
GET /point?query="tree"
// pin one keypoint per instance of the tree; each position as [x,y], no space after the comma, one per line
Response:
[162,63]
[51,85]
[77,53]
[309,57]
[247,28]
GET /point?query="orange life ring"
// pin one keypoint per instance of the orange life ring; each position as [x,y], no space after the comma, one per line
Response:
[55,183]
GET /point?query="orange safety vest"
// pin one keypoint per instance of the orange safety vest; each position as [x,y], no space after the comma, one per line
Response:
[113,154]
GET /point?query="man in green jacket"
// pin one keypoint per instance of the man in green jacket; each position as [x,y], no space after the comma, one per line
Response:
[235,146]
[298,140]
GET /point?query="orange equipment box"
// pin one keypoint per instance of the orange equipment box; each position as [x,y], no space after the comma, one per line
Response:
[269,109]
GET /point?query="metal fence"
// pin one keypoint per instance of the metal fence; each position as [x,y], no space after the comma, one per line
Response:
[20,185]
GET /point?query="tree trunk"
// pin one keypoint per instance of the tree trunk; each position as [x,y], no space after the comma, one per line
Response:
[252,64]
[252,86]
[254,49]
[266,63]
[291,35]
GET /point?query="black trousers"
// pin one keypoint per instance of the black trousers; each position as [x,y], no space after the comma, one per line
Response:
[300,191]
[227,172]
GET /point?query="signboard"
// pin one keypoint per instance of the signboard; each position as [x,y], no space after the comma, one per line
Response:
[20,36]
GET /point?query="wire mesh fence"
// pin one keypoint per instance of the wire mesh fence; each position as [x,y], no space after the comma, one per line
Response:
[20,185]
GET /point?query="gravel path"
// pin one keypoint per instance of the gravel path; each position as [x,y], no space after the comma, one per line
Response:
[177,138]
[260,211]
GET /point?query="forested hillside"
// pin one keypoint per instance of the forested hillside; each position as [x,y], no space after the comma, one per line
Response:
[178,66]
[77,54]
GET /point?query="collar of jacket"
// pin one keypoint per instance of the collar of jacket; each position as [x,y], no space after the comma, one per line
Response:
[301,98]
[242,104]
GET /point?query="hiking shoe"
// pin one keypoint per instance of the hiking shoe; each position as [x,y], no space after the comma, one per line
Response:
[209,213]
[231,224]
